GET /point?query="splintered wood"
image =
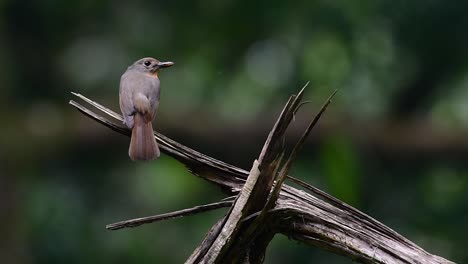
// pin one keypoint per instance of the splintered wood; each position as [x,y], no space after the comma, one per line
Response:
[261,205]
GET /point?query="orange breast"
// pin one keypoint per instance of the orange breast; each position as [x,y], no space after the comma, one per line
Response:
[154,74]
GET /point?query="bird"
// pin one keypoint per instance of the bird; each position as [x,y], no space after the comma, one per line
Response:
[139,94]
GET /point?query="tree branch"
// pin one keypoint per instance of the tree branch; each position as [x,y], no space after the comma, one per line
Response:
[313,217]
[181,213]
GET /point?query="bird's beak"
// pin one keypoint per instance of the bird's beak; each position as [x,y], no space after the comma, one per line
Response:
[165,64]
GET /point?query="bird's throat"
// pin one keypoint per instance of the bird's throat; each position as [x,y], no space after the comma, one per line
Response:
[154,74]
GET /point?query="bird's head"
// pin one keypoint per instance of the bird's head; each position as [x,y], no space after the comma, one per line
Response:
[150,65]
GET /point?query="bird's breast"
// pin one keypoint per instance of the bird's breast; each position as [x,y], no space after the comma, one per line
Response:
[153,74]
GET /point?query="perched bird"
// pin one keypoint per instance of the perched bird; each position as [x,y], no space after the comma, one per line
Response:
[139,100]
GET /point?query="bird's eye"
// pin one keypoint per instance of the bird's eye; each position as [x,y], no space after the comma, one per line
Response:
[147,63]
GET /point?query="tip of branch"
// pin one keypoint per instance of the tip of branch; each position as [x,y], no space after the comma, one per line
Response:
[301,92]
[332,95]
[74,103]
[113,227]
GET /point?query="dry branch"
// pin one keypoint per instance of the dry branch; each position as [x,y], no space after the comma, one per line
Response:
[181,213]
[311,215]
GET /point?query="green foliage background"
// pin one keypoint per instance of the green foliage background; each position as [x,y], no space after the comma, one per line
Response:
[393,143]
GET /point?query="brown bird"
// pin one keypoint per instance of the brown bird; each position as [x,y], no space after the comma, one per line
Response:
[139,99]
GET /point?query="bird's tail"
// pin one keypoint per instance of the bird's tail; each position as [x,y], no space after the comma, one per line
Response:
[143,144]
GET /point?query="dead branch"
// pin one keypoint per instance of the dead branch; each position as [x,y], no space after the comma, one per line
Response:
[265,206]
[181,213]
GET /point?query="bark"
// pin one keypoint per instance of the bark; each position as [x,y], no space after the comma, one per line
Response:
[261,205]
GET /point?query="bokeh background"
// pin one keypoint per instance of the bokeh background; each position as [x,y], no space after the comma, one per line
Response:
[394,143]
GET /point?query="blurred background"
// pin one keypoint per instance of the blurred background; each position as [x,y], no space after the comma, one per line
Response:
[393,143]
